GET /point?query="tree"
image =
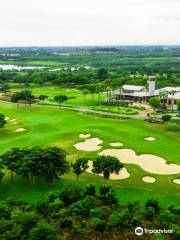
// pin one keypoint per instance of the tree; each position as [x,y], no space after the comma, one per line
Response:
[48,163]
[60,99]
[25,96]
[166,118]
[85,92]
[102,74]
[5,88]
[42,97]
[80,166]
[106,165]
[2,121]
[11,159]
[43,231]
[154,102]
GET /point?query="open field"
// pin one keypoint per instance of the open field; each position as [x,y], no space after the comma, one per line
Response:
[49,126]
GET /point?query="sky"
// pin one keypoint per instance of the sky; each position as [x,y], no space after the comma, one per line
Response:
[89,22]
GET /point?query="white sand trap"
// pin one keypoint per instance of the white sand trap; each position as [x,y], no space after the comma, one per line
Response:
[6,118]
[20,130]
[84,135]
[123,174]
[177,181]
[89,145]
[149,138]
[116,144]
[148,162]
[148,179]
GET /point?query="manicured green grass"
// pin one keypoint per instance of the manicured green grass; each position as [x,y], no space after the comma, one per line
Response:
[113,109]
[49,126]
[75,96]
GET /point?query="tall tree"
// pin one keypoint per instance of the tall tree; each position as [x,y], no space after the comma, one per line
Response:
[80,166]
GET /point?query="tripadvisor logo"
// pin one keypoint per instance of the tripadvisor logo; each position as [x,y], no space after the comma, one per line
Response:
[139,231]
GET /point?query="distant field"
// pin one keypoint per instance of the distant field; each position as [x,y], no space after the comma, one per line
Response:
[49,126]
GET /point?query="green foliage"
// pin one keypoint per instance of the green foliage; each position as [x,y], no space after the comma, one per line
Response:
[48,163]
[25,95]
[90,190]
[154,102]
[71,195]
[154,204]
[98,224]
[106,165]
[97,213]
[108,196]
[80,166]
[84,206]
[43,231]
[2,121]
[166,118]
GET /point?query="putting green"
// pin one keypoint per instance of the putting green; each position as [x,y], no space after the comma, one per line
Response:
[49,126]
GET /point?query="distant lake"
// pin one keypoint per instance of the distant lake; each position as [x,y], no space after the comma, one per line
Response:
[7,67]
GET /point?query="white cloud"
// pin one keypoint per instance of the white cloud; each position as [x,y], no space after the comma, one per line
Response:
[84,22]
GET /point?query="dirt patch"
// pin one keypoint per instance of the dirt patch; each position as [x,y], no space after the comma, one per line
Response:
[82,135]
[148,162]
[116,144]
[123,174]
[177,181]
[91,144]
[148,179]
[20,130]
[149,138]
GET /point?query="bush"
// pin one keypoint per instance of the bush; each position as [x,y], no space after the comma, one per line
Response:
[43,231]
[96,212]
[71,195]
[84,206]
[98,224]
[66,222]
[150,213]
[90,190]
[154,204]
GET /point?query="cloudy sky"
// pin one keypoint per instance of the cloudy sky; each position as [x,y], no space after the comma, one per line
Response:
[89,22]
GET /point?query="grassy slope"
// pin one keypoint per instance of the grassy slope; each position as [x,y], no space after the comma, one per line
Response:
[47,126]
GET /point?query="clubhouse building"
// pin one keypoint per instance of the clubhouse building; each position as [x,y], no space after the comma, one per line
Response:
[134,93]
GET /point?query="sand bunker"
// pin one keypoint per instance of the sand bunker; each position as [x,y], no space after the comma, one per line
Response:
[148,162]
[20,130]
[148,179]
[123,174]
[116,144]
[89,145]
[177,181]
[149,138]
[84,135]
